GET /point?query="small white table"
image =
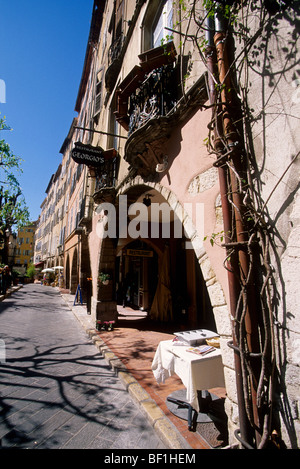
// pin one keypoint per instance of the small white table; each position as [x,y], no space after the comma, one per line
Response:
[195,371]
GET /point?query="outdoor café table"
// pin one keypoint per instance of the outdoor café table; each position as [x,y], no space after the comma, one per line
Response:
[196,372]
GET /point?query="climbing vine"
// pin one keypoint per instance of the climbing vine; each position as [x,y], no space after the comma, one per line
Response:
[232,39]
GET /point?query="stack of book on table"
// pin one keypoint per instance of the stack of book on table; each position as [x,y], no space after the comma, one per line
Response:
[201,349]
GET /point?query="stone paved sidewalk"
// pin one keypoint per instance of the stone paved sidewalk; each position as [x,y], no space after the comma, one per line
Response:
[57,390]
[129,349]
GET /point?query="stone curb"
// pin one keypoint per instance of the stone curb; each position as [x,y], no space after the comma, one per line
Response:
[10,291]
[158,420]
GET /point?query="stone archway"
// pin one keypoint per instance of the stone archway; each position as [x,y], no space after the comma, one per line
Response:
[212,286]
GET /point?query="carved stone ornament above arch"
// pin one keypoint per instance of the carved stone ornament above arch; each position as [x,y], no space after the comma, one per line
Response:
[143,148]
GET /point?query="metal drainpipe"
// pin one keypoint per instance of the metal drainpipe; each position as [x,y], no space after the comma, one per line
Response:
[234,288]
[232,141]
[223,128]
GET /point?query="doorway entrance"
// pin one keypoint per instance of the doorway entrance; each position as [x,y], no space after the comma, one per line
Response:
[138,274]
[158,273]
[137,265]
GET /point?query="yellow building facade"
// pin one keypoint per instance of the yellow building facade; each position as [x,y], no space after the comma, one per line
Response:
[25,245]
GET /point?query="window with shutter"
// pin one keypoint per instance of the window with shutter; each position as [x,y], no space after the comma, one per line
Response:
[119,18]
[98,97]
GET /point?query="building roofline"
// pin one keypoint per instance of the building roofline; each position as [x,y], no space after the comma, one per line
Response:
[69,136]
[96,22]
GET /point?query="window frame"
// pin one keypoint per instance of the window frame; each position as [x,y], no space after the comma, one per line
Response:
[163,14]
[154,12]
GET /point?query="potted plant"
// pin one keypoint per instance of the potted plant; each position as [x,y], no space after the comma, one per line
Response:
[105,325]
[104,278]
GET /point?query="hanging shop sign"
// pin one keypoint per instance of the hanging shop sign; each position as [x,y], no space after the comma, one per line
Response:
[87,154]
[139,253]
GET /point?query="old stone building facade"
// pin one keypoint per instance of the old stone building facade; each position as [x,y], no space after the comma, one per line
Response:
[169,168]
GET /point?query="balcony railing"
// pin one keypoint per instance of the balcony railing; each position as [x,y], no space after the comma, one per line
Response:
[155,96]
[149,89]
[106,176]
[115,49]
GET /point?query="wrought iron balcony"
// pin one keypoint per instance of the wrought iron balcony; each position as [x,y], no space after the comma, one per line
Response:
[106,176]
[114,51]
[114,62]
[149,89]
[154,97]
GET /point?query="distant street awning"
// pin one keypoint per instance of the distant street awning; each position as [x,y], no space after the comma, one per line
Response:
[39,264]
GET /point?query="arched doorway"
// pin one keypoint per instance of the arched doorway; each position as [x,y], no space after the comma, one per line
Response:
[137,273]
[187,300]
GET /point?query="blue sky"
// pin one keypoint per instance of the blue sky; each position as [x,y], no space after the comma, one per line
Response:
[42,51]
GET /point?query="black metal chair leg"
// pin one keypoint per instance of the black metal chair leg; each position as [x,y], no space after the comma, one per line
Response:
[184,405]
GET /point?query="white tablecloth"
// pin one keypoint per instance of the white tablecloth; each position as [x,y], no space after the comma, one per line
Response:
[195,371]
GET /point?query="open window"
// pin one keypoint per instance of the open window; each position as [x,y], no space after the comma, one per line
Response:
[116,23]
[163,20]
[158,17]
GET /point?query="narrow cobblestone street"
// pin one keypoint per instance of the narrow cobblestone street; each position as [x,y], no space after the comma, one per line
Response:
[56,390]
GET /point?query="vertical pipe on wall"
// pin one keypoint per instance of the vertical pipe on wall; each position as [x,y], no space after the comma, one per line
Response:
[234,288]
[224,135]
[239,228]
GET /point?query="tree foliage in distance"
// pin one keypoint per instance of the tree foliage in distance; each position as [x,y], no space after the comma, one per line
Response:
[31,271]
[13,209]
